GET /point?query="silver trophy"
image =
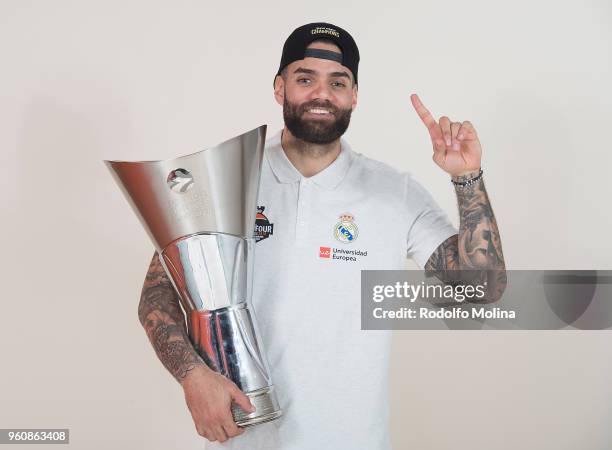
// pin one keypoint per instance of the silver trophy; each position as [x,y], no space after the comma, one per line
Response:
[199,211]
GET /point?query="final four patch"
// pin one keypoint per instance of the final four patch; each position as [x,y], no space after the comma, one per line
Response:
[263,228]
[346,230]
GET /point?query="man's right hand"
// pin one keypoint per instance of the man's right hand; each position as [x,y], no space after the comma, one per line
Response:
[209,396]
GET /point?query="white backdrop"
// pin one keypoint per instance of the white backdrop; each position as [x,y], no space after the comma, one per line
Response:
[83,81]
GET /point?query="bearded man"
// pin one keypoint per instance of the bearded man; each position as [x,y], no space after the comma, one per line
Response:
[325,213]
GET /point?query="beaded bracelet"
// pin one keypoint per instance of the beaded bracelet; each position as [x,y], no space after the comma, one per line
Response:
[468,182]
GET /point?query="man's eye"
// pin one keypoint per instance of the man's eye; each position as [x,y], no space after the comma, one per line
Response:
[338,84]
[303,81]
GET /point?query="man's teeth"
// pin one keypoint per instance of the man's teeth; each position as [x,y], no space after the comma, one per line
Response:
[318,111]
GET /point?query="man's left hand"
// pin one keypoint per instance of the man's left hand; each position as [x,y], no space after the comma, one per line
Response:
[455,144]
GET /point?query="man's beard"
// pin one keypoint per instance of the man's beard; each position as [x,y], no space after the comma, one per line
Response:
[315,131]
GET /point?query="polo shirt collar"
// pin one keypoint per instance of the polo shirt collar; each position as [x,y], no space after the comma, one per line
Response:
[285,171]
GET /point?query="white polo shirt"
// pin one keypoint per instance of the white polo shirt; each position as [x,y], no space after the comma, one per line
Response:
[315,235]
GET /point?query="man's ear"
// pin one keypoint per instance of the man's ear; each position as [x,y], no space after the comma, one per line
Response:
[279,90]
[354,101]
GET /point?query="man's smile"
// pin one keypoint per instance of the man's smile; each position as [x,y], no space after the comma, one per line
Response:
[318,113]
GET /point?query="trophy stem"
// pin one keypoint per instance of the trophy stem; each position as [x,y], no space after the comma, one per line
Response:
[212,273]
[226,339]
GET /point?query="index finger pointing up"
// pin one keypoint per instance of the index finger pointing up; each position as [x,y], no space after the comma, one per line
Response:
[425,116]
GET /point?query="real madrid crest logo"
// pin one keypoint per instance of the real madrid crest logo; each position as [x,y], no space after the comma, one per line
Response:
[346,230]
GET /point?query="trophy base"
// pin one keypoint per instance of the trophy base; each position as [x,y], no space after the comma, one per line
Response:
[266,408]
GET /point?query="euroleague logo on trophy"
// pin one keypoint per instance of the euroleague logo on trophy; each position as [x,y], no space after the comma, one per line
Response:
[180,181]
[263,228]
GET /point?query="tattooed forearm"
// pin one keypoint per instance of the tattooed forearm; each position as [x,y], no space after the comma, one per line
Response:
[479,241]
[476,251]
[161,316]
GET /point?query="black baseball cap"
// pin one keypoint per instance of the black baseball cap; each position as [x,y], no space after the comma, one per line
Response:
[295,46]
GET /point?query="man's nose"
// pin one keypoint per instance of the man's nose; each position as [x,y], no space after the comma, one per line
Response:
[322,91]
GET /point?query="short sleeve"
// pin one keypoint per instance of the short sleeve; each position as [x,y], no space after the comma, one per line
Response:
[429,226]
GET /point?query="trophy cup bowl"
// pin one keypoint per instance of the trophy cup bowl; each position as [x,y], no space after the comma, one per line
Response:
[199,211]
